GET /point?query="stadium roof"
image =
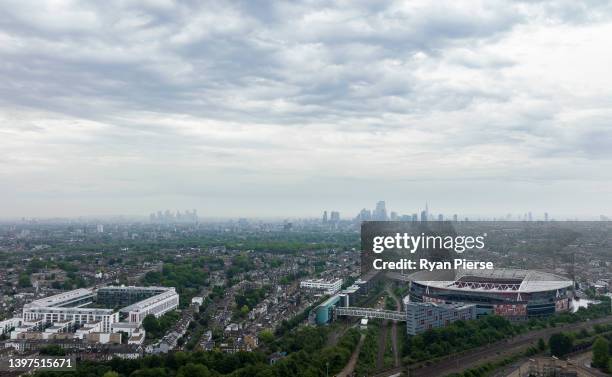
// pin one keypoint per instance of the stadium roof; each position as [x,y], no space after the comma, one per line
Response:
[498,280]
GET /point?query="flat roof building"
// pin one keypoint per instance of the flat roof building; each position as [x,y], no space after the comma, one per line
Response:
[330,287]
[77,307]
[157,305]
[71,306]
[421,316]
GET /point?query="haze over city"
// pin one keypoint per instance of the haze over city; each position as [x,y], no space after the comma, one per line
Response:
[287,109]
[305,188]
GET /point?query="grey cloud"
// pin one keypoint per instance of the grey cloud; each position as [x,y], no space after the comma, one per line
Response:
[222,60]
[282,91]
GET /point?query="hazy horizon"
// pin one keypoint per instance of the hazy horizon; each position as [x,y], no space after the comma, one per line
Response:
[347,214]
[249,109]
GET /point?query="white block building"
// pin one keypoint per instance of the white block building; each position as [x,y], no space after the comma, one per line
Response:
[329,287]
[157,305]
[8,324]
[74,310]
[71,306]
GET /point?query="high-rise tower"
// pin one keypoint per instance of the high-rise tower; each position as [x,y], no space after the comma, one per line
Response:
[380,213]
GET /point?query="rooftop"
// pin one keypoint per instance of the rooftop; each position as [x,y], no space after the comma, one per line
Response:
[132,288]
[499,280]
[322,281]
[148,301]
[64,298]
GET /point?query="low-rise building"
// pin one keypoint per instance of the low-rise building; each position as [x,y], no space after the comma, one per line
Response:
[422,316]
[72,306]
[137,337]
[88,328]
[157,305]
[9,324]
[126,327]
[198,300]
[329,287]
[80,310]
[60,326]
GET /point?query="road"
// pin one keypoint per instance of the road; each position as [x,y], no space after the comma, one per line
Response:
[469,359]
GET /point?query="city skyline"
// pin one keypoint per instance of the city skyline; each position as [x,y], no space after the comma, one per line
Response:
[242,109]
[377,212]
[305,188]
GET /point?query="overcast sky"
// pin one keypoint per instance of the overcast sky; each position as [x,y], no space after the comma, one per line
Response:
[258,109]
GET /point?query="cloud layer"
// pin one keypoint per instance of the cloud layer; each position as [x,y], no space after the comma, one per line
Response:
[285,108]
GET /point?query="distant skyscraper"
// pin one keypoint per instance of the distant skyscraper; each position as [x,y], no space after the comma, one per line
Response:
[364,215]
[100,228]
[415,217]
[324,216]
[423,216]
[530,216]
[380,213]
[545,216]
[394,216]
[440,217]
[335,216]
[455,217]
[193,216]
[167,217]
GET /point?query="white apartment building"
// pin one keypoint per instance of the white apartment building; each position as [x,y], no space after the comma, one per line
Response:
[157,305]
[329,287]
[69,306]
[8,324]
[76,308]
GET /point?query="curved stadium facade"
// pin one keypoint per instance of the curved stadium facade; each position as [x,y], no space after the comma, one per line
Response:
[515,294]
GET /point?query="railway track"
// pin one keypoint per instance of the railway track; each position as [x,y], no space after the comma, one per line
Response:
[471,358]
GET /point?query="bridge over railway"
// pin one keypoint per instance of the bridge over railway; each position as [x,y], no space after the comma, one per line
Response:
[370,313]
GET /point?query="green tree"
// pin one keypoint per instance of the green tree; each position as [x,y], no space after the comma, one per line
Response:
[244,310]
[52,350]
[541,344]
[150,372]
[560,344]
[110,373]
[266,337]
[24,281]
[150,324]
[193,370]
[600,353]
